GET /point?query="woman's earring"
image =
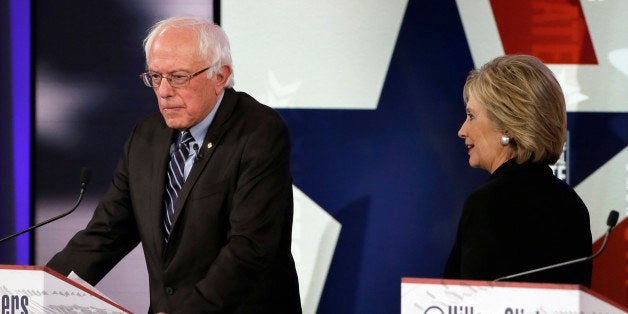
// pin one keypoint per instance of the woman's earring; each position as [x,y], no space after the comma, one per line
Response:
[505,140]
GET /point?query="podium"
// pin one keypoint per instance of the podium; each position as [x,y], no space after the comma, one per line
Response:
[442,296]
[39,289]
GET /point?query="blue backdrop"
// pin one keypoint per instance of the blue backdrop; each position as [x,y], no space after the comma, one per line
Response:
[394,177]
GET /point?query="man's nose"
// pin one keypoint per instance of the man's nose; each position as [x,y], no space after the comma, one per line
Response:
[165,90]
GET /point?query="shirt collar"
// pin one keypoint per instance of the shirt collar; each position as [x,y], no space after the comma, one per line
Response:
[199,130]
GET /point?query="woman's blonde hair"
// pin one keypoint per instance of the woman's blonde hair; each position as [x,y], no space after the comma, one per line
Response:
[524,100]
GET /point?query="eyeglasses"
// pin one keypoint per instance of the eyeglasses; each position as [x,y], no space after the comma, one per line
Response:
[153,79]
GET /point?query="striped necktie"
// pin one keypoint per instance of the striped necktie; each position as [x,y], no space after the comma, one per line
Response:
[175,179]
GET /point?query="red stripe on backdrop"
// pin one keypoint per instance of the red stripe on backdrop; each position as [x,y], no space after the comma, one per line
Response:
[610,269]
[554,30]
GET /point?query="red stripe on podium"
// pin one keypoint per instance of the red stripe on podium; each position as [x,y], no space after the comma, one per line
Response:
[610,269]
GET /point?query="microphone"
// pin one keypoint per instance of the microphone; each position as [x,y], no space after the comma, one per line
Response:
[611,221]
[86,175]
[199,154]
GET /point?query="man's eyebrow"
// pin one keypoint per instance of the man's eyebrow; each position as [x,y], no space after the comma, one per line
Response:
[173,71]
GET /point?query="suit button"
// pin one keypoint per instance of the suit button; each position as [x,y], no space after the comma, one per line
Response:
[169,290]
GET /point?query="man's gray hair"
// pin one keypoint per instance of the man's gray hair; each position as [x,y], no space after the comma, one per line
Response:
[213,43]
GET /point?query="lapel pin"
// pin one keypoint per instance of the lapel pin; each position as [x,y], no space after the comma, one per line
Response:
[209,145]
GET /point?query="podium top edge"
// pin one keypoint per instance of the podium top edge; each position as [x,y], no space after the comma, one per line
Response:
[23,267]
[461,282]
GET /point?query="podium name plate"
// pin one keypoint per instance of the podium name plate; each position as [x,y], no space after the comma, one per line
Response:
[38,289]
[440,296]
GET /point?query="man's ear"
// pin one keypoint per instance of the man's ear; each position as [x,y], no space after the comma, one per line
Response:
[221,77]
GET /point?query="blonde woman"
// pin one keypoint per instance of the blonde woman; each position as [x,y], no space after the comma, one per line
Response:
[522,217]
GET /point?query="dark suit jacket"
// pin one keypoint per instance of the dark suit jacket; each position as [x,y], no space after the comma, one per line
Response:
[522,218]
[229,251]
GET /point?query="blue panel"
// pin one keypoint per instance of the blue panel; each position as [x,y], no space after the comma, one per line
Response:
[594,138]
[20,44]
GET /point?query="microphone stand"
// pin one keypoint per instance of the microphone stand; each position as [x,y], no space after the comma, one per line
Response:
[85,176]
[611,222]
